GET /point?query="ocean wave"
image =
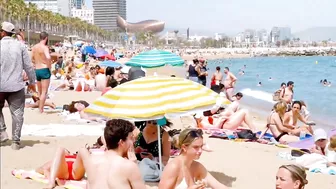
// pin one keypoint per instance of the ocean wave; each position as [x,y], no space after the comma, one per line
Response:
[261,95]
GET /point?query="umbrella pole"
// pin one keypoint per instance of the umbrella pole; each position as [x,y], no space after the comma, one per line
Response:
[160,151]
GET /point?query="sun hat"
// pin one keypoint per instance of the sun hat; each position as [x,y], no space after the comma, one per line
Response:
[7,27]
[320,134]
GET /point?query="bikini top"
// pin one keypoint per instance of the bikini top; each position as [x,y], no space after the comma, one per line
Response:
[152,147]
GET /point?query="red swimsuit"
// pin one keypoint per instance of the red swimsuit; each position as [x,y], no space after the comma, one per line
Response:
[70,160]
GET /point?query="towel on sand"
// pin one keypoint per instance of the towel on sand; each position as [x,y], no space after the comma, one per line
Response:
[69,184]
[55,130]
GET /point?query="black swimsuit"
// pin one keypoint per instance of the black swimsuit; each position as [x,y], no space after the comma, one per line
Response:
[152,147]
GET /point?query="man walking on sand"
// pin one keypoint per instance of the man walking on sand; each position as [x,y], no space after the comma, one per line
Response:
[114,171]
[14,59]
[42,61]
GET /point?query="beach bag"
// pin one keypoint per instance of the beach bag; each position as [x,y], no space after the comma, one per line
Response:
[247,134]
[276,95]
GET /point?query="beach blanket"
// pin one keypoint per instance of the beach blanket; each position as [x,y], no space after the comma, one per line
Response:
[69,184]
[315,163]
[308,143]
[56,130]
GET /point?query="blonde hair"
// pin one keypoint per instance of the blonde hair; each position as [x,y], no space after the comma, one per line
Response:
[332,144]
[280,107]
[188,136]
[297,173]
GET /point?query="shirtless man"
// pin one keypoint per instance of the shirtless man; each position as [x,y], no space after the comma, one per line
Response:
[217,76]
[229,83]
[42,63]
[287,93]
[113,171]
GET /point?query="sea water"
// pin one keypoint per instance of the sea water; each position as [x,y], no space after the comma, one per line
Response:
[305,72]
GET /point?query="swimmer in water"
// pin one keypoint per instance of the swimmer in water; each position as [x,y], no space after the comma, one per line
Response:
[270,78]
[42,62]
[259,84]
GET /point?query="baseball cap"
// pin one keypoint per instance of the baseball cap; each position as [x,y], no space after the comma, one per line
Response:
[320,134]
[7,27]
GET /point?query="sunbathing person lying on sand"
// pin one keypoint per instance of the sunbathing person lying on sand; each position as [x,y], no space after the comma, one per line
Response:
[183,171]
[231,122]
[79,106]
[65,166]
[275,124]
[291,118]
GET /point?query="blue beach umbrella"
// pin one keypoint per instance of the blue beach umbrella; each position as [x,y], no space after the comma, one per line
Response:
[89,50]
[155,58]
[110,63]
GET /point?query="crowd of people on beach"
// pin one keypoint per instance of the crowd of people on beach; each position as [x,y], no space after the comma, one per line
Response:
[116,159]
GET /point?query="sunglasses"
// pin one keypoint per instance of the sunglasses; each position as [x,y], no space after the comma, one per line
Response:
[152,122]
[195,133]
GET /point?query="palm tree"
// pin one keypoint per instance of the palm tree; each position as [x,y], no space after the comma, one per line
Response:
[16,11]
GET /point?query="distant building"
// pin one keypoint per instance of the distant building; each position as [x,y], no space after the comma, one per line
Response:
[85,14]
[62,7]
[107,11]
[239,38]
[218,36]
[280,33]
[51,5]
[78,4]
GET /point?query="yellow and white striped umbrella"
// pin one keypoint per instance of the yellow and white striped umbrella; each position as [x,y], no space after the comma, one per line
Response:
[151,98]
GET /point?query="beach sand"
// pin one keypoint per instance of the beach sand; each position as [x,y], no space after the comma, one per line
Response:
[237,165]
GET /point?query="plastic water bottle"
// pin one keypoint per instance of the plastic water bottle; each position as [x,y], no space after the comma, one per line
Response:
[302,135]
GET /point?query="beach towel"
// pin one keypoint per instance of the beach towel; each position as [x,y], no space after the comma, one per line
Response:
[56,130]
[150,170]
[33,175]
[316,163]
[308,143]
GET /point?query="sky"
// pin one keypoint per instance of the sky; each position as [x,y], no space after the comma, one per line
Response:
[234,15]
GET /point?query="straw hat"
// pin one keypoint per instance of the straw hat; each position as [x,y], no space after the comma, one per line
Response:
[332,144]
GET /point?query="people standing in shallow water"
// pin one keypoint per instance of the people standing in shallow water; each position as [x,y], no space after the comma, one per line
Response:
[291,177]
[42,62]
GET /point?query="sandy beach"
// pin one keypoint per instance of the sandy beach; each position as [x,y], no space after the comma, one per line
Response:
[237,165]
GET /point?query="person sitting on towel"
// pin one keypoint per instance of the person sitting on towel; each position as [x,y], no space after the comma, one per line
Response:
[321,141]
[147,142]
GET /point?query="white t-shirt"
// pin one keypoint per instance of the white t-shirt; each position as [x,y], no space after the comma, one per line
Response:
[331,155]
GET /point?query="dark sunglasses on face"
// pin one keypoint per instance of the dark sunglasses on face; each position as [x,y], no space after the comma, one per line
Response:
[152,122]
[193,133]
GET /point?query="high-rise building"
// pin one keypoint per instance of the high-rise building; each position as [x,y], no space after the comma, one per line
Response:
[62,7]
[106,12]
[77,4]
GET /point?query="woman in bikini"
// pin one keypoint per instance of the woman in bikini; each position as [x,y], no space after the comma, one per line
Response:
[147,146]
[291,118]
[66,165]
[280,132]
[228,120]
[183,172]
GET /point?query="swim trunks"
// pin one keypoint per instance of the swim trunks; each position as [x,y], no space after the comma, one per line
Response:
[42,74]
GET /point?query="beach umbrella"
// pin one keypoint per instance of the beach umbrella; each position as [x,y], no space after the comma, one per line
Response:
[100,52]
[110,63]
[89,50]
[153,98]
[155,58]
[109,57]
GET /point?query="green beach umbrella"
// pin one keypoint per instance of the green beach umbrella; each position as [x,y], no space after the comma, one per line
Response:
[155,58]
